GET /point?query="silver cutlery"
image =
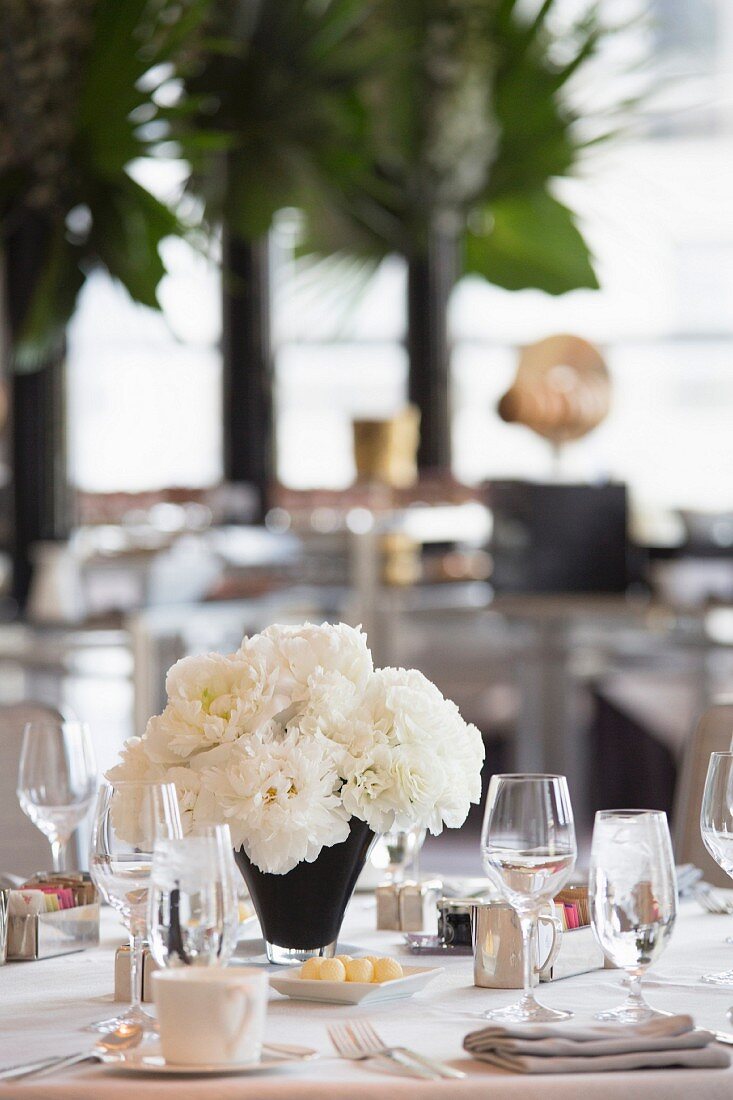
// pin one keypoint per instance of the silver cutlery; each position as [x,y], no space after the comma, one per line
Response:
[357,1040]
[712,900]
[42,1065]
[126,1037]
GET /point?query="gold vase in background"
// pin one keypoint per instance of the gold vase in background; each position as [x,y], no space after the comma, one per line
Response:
[385,451]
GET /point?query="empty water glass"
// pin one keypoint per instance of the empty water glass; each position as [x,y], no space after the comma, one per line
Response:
[57,779]
[131,817]
[633,898]
[529,850]
[716,828]
[193,905]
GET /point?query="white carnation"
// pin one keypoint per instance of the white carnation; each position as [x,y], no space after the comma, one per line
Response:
[429,770]
[278,797]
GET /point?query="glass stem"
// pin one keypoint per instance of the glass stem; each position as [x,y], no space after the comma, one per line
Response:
[58,854]
[528,924]
[137,943]
[635,996]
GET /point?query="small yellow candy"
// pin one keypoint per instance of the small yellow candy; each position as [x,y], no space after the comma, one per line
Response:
[332,970]
[386,970]
[359,970]
[311,968]
[344,958]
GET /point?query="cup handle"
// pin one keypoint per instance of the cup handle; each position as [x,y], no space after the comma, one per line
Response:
[556,940]
[241,1013]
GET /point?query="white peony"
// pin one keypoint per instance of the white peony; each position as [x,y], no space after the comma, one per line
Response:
[278,797]
[212,700]
[300,651]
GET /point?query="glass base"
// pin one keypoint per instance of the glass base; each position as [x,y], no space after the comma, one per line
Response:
[526,1011]
[635,1013]
[725,978]
[133,1017]
[287,956]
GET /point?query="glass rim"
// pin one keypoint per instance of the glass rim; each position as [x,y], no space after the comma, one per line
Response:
[728,752]
[630,813]
[113,783]
[527,775]
[55,724]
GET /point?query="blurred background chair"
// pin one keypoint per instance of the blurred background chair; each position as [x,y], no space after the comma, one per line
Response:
[713,733]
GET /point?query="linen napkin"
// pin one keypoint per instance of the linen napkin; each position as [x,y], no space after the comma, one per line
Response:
[550,1048]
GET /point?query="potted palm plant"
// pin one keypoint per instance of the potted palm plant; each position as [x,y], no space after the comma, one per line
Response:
[80,84]
[434,129]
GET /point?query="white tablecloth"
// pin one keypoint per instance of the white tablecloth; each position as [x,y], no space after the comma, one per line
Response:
[43,1006]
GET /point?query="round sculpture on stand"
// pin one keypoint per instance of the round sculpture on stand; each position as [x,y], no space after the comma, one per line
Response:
[562,389]
[301,912]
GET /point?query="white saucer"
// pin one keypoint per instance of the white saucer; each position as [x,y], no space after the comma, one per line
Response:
[156,1063]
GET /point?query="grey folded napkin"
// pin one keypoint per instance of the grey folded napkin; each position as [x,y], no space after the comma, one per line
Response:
[559,1048]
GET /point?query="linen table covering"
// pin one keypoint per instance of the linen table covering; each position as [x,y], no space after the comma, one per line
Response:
[43,1006]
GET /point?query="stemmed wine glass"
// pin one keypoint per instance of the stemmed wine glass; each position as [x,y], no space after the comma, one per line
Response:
[716,827]
[194,907]
[131,817]
[403,851]
[633,898]
[57,779]
[529,851]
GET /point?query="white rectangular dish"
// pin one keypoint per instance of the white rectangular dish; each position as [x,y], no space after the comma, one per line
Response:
[353,993]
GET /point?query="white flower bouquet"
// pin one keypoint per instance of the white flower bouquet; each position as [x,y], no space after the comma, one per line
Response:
[295,733]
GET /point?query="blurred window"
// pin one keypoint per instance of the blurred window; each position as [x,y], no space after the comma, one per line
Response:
[145,390]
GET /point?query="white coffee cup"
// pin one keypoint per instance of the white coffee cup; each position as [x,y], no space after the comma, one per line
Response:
[211,1017]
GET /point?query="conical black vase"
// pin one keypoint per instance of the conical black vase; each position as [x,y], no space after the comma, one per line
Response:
[301,912]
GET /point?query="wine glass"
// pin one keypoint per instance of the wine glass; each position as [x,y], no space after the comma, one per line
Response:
[633,898]
[716,827]
[403,850]
[194,908]
[57,778]
[131,816]
[529,851]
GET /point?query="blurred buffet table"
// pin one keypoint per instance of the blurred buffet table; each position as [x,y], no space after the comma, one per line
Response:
[542,675]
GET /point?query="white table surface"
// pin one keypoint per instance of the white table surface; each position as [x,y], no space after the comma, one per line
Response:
[44,1005]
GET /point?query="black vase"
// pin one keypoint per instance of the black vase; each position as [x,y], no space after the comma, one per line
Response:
[301,912]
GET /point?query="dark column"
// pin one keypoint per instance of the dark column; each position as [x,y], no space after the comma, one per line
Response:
[430,281]
[249,437]
[41,507]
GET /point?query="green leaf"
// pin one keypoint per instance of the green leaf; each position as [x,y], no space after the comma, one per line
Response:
[531,241]
[129,225]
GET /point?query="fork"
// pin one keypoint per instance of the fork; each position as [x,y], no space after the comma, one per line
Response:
[362,1041]
[712,900]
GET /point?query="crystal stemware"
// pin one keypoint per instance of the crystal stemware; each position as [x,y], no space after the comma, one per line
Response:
[194,908]
[633,898]
[131,817]
[529,850]
[716,828]
[403,848]
[57,779]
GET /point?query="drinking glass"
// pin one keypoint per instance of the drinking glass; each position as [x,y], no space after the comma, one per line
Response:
[633,898]
[131,817]
[403,851]
[194,908]
[57,778]
[529,851]
[716,827]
